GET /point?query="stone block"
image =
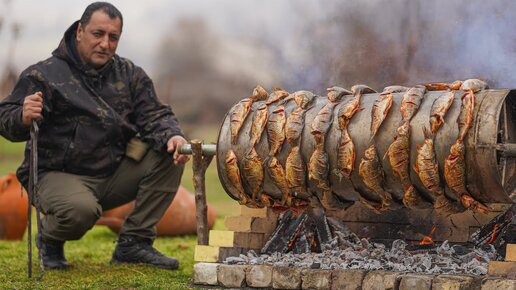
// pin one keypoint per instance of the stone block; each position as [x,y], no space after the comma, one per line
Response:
[502,268]
[215,254]
[286,278]
[205,274]
[498,284]
[347,279]
[380,280]
[259,276]
[415,281]
[231,275]
[315,279]
[455,282]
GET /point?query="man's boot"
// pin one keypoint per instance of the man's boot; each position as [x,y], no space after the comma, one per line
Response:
[52,253]
[132,249]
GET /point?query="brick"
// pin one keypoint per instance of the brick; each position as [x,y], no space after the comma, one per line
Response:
[315,279]
[286,278]
[510,252]
[415,281]
[347,279]
[231,275]
[206,253]
[501,268]
[238,223]
[455,282]
[205,274]
[380,280]
[264,225]
[213,254]
[498,284]
[236,239]
[259,276]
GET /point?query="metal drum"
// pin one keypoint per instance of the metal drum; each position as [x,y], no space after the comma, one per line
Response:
[490,155]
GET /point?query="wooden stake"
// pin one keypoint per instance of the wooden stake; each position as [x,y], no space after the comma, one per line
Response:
[199,165]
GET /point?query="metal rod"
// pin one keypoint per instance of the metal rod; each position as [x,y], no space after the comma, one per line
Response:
[207,149]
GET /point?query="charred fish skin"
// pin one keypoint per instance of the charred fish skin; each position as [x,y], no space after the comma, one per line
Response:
[318,168]
[258,126]
[346,155]
[238,116]
[278,175]
[294,126]
[233,173]
[259,94]
[276,130]
[371,172]
[252,167]
[439,109]
[465,120]
[304,99]
[411,101]
[426,166]
[379,112]
[322,122]
[295,172]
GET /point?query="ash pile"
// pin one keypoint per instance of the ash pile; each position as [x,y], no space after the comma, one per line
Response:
[311,240]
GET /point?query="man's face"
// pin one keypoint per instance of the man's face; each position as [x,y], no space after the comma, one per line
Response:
[98,40]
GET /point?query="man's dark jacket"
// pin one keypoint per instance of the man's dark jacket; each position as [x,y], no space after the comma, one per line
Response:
[88,115]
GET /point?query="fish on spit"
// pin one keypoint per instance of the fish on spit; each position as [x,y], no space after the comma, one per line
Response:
[258,126]
[380,110]
[276,96]
[411,101]
[252,168]
[240,111]
[233,173]
[278,175]
[371,172]
[443,86]
[439,109]
[276,130]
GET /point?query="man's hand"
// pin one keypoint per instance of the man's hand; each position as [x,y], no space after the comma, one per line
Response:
[32,108]
[173,145]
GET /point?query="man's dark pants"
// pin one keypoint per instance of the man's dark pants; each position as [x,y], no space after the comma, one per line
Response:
[73,203]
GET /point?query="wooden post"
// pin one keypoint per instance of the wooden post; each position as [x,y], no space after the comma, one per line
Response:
[199,165]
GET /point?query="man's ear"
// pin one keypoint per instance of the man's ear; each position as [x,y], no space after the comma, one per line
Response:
[78,33]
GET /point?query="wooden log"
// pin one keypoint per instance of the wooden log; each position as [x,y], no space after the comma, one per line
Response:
[199,165]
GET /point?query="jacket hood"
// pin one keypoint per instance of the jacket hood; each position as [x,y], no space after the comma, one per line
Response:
[67,50]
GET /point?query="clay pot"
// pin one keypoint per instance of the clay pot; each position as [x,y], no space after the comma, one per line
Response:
[13,208]
[179,219]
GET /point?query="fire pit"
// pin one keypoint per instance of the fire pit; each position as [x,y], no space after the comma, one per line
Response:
[335,219]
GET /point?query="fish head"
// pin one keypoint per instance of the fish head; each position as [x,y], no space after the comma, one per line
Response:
[362,89]
[474,84]
[458,148]
[231,157]
[259,94]
[370,152]
[303,98]
[404,129]
[336,93]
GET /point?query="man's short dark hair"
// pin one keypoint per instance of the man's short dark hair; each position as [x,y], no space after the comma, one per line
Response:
[105,7]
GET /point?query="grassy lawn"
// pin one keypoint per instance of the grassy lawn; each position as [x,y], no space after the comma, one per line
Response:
[91,255]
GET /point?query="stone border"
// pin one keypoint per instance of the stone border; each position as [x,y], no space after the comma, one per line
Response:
[273,277]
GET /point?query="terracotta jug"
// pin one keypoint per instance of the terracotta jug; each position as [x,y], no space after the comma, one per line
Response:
[13,208]
[179,219]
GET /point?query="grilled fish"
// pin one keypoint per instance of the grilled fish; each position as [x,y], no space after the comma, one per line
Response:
[411,101]
[322,122]
[277,95]
[295,171]
[467,110]
[278,175]
[238,115]
[371,172]
[439,109]
[474,84]
[395,89]
[399,158]
[294,126]
[259,122]
[443,86]
[380,110]
[347,111]
[233,173]
[345,156]
[426,166]
[455,85]
[252,167]
[303,99]
[335,94]
[318,167]
[276,130]
[259,94]
[455,176]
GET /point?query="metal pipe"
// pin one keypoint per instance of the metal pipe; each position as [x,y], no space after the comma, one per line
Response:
[207,149]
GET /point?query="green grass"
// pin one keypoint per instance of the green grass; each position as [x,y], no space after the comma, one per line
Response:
[90,256]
